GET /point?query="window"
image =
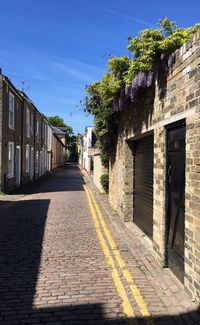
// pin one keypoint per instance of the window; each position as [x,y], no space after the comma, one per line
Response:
[37,162]
[27,123]
[10,159]
[31,123]
[49,138]
[11,111]
[38,131]
[46,134]
[27,158]
[43,129]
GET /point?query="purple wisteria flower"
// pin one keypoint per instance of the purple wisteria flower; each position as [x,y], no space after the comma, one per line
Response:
[150,79]
[171,60]
[127,90]
[162,56]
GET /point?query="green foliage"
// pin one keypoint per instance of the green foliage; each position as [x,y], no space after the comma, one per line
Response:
[151,43]
[99,102]
[56,121]
[118,66]
[104,179]
[145,51]
[167,26]
[105,159]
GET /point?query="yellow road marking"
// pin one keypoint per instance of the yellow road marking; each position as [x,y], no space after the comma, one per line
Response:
[126,305]
[127,275]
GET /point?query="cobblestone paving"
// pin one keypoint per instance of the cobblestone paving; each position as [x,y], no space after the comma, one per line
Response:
[53,269]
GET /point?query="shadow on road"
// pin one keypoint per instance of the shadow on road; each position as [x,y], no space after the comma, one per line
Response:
[68,178]
[21,236]
[22,228]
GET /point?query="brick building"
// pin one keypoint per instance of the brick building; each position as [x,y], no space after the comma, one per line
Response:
[155,169]
[26,139]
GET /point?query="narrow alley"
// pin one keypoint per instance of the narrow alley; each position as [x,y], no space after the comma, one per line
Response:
[66,258]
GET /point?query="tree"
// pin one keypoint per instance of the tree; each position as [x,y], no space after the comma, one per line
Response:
[57,121]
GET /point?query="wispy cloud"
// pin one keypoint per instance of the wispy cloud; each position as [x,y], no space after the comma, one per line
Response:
[36,65]
[75,69]
[116,13]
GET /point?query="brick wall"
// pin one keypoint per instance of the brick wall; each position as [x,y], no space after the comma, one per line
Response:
[152,114]
[58,149]
[9,135]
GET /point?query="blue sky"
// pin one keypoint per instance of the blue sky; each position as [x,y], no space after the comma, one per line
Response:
[60,46]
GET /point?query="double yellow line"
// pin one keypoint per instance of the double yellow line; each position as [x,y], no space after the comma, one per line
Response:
[102,233]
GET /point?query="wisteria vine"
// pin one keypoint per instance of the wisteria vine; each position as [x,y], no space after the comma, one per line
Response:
[153,52]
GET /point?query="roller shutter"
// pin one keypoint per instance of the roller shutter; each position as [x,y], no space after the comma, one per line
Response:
[143,189]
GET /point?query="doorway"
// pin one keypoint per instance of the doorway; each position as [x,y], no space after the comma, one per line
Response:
[32,164]
[143,184]
[176,199]
[18,166]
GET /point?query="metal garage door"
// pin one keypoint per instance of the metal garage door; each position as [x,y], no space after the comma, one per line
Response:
[143,180]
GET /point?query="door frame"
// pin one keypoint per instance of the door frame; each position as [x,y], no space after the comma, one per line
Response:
[18,173]
[167,190]
[32,167]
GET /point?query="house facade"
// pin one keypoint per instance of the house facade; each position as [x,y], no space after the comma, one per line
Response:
[155,169]
[58,151]
[88,142]
[26,139]
[98,170]
[11,116]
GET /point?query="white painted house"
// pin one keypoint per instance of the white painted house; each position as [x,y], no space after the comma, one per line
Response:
[89,140]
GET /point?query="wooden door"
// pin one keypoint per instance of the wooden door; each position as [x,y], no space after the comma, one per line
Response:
[176,199]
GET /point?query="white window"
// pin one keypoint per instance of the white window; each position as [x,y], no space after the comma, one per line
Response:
[10,159]
[31,124]
[45,160]
[37,162]
[49,138]
[46,134]
[11,111]
[27,158]
[28,123]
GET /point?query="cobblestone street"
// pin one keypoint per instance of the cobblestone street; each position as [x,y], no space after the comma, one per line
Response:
[66,258]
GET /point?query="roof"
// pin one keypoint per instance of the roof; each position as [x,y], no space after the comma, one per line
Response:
[62,128]
[58,131]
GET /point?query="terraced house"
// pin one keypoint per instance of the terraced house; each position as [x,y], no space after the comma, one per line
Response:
[26,138]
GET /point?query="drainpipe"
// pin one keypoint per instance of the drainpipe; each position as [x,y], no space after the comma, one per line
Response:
[1,139]
[34,142]
[22,140]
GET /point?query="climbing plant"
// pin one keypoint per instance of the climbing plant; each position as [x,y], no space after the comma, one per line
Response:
[126,76]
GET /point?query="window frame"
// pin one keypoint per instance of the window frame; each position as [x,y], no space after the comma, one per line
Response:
[12,153]
[28,131]
[11,100]
[31,123]
[37,130]
[27,158]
